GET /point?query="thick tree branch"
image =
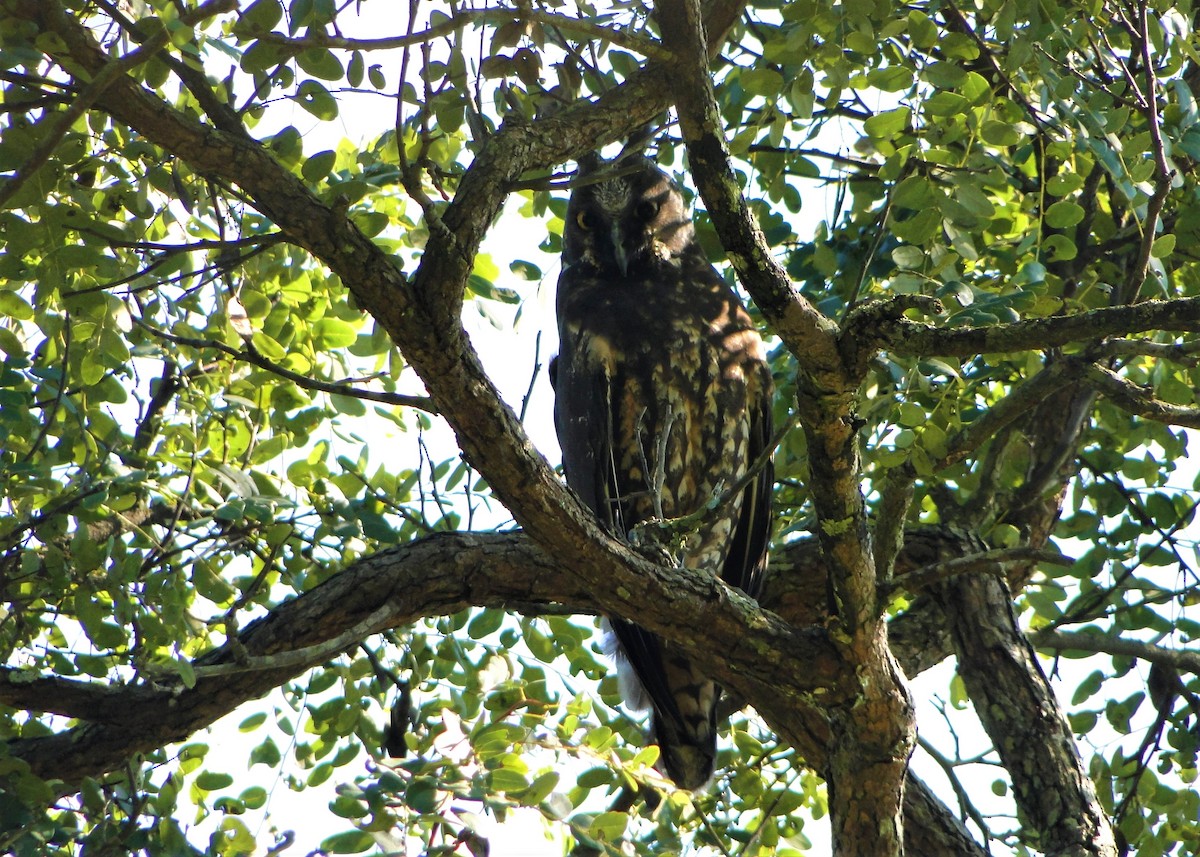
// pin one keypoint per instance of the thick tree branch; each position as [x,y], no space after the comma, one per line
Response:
[1017,707]
[28,690]
[438,575]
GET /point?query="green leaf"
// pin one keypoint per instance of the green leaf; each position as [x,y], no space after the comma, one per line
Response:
[884,126]
[922,30]
[266,753]
[1064,183]
[485,622]
[915,192]
[920,227]
[422,795]
[541,788]
[1000,133]
[261,16]
[317,168]
[321,63]
[909,257]
[762,81]
[1059,248]
[252,722]
[350,842]
[316,99]
[211,781]
[356,69]
[608,826]
[331,333]
[1163,246]
[507,780]
[14,306]
[1064,214]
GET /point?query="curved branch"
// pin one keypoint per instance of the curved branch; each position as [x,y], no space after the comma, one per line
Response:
[1136,400]
[254,358]
[437,575]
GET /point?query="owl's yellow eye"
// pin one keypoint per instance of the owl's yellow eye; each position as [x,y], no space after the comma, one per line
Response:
[583,220]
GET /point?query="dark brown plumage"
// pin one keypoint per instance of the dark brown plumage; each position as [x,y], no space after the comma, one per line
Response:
[662,402]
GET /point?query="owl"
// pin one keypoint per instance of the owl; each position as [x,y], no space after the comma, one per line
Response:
[662,406]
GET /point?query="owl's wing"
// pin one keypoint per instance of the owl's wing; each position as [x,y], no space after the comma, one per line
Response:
[583,421]
[746,563]
[584,414]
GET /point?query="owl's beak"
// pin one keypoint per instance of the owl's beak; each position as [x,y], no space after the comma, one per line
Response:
[618,245]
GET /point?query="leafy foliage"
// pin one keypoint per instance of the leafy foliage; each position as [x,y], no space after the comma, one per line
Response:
[198,421]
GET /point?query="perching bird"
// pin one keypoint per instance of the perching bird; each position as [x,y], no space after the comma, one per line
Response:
[662,403]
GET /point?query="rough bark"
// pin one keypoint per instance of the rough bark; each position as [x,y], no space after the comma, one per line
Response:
[1017,707]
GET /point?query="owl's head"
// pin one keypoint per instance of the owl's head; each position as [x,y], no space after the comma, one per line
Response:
[625,219]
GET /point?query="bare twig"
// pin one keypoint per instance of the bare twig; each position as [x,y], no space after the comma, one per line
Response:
[251,356]
[583,28]
[1086,640]
[989,562]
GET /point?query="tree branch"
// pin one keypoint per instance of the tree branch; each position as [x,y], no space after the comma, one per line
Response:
[1089,640]
[917,339]
[254,358]
[1017,707]
[585,29]
[438,575]
[1136,400]
[987,562]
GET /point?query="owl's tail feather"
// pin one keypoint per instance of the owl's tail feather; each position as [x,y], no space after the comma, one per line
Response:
[686,732]
[684,702]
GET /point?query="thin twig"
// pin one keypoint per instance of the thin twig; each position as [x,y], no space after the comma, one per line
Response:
[987,562]
[1139,401]
[253,357]
[585,29]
